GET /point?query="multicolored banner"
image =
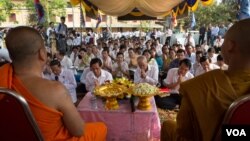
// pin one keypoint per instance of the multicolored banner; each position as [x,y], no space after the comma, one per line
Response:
[99,20]
[40,11]
[82,17]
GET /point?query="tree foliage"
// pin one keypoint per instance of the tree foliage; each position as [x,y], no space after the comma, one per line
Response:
[214,14]
[5,8]
[52,9]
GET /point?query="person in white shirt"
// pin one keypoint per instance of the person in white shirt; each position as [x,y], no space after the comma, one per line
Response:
[146,73]
[74,54]
[189,40]
[151,61]
[84,74]
[174,78]
[96,76]
[107,62]
[114,51]
[206,66]
[158,48]
[81,61]
[221,63]
[4,55]
[218,43]
[169,33]
[190,54]
[77,40]
[212,55]
[65,76]
[131,59]
[120,68]
[197,64]
[49,32]
[96,52]
[50,29]
[64,59]
[215,32]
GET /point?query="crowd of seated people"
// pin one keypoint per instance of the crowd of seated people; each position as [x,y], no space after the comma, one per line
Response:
[122,57]
[138,59]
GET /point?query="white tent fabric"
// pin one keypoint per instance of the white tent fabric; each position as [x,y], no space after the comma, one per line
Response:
[151,8]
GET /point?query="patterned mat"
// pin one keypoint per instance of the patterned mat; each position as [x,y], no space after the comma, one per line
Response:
[167,114]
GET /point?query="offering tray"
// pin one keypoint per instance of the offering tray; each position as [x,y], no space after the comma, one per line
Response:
[144,91]
[110,92]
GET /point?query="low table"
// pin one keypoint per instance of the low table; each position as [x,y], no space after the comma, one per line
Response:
[123,125]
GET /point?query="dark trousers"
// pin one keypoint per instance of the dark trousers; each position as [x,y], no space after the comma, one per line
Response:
[201,39]
[61,44]
[209,40]
[168,102]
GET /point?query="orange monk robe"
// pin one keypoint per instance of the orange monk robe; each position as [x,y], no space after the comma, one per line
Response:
[49,120]
[204,103]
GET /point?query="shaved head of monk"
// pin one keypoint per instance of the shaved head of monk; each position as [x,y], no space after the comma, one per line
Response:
[25,44]
[236,46]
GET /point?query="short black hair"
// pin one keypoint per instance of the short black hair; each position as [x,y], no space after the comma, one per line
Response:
[105,49]
[203,59]
[180,51]
[220,58]
[74,47]
[171,49]
[50,23]
[187,62]
[211,49]
[199,52]
[123,47]
[62,52]
[197,46]
[83,49]
[145,51]
[119,53]
[62,18]
[95,60]
[131,49]
[55,62]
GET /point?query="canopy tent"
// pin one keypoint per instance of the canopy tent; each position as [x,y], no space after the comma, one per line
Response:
[138,9]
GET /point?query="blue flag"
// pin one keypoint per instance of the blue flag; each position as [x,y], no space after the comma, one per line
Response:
[193,21]
[99,20]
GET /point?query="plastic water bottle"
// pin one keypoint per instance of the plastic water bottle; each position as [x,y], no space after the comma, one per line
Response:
[94,102]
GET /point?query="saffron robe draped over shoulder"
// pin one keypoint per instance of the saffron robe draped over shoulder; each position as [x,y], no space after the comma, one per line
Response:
[205,100]
[49,120]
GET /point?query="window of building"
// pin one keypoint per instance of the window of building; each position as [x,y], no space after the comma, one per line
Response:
[70,17]
[12,17]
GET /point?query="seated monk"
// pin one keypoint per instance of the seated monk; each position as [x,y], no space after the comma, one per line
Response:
[49,101]
[206,98]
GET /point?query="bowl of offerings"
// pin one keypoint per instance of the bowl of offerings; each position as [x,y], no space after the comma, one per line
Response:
[144,91]
[111,91]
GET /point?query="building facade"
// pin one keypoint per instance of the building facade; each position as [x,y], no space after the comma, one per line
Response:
[20,16]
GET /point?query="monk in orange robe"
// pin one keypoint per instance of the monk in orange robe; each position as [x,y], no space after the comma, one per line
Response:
[49,101]
[206,98]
